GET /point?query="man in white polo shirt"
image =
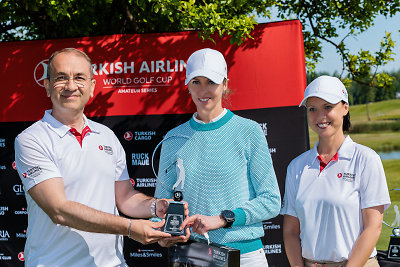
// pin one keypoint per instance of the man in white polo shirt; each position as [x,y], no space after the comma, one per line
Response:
[75,178]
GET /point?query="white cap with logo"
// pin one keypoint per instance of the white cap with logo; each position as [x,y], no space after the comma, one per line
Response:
[328,88]
[208,63]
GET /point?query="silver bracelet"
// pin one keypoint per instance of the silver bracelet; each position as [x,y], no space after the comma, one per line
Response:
[153,207]
[129,228]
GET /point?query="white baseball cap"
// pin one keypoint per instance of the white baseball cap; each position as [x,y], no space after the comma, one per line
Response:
[208,63]
[328,88]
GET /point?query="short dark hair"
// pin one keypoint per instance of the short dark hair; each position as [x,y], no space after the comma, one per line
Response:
[70,50]
[346,121]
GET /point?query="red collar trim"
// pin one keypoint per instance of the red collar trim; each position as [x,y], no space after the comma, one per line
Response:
[322,164]
[80,136]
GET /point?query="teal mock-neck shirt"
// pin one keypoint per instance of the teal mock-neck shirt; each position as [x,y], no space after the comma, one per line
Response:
[227,166]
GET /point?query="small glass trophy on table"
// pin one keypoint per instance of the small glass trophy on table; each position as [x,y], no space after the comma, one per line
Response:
[176,211]
[391,218]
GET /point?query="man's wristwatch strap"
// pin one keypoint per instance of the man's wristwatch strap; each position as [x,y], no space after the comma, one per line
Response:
[153,207]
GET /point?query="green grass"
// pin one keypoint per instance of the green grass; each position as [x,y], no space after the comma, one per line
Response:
[392,171]
[389,109]
[380,142]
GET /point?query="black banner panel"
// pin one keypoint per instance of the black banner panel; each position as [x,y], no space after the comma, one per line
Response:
[284,127]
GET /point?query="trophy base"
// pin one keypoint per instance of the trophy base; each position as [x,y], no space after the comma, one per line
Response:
[174,218]
[200,253]
[394,248]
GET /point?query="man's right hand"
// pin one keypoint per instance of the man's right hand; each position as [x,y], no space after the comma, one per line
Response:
[146,232]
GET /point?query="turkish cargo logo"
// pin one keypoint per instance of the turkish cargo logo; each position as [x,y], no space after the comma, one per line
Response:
[40,72]
[128,136]
[3,210]
[21,256]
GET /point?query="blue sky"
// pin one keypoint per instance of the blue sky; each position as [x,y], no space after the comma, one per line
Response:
[368,40]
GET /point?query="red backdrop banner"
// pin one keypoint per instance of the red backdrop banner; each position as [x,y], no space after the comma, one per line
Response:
[143,74]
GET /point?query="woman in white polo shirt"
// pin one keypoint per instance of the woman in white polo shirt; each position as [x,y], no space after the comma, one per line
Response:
[335,193]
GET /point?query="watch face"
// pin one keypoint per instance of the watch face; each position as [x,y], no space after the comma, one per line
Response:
[228,215]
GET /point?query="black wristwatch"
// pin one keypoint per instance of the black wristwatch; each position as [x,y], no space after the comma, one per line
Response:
[229,217]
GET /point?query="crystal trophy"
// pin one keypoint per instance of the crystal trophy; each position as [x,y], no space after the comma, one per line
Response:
[176,211]
[393,215]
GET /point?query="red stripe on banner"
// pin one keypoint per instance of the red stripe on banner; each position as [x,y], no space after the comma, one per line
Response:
[144,73]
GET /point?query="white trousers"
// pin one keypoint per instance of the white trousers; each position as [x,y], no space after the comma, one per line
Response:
[254,259]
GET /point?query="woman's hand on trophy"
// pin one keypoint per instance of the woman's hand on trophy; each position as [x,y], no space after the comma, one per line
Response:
[170,241]
[201,223]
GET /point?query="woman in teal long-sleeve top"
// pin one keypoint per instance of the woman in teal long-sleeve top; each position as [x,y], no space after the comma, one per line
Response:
[230,184]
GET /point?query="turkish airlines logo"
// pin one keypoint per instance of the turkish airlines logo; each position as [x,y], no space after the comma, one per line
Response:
[128,136]
[106,149]
[21,256]
[339,175]
[14,166]
[40,72]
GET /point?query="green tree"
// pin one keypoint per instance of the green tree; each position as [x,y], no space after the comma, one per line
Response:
[49,19]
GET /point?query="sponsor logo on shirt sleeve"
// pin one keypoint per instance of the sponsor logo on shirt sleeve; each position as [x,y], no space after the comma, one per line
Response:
[32,172]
